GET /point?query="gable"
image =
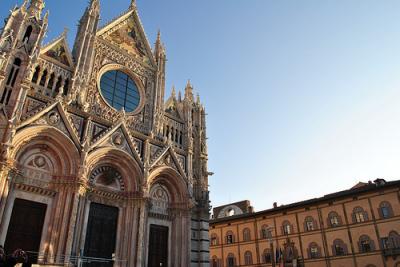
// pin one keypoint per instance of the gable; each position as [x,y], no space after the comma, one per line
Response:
[58,52]
[127,33]
[54,116]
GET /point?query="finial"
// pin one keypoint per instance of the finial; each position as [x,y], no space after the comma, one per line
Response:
[65,32]
[198,99]
[133,4]
[173,93]
[188,85]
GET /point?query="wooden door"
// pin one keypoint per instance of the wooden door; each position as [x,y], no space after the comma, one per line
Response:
[101,235]
[158,246]
[25,228]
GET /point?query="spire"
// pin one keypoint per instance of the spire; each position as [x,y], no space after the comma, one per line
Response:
[189,91]
[36,7]
[158,44]
[179,96]
[173,92]
[198,99]
[133,4]
[94,6]
[65,32]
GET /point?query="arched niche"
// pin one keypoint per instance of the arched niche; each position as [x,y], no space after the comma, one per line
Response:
[172,181]
[129,175]
[43,151]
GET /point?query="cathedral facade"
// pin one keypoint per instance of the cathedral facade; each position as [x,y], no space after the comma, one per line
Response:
[96,168]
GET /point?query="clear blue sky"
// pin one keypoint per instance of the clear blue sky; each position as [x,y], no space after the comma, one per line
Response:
[303,97]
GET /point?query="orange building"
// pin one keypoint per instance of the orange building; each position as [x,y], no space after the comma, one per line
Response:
[358,227]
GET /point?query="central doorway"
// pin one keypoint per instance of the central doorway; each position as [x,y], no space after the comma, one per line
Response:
[101,235]
[25,228]
[158,246]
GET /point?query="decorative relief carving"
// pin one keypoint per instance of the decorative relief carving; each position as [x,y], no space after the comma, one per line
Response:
[31,106]
[53,118]
[77,122]
[108,177]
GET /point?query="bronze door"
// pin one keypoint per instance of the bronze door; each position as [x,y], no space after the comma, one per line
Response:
[25,228]
[101,235]
[158,246]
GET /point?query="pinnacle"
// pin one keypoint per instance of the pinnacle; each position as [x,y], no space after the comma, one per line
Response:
[173,92]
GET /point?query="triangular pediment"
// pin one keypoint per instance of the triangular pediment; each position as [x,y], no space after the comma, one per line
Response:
[58,52]
[55,116]
[168,157]
[118,137]
[126,32]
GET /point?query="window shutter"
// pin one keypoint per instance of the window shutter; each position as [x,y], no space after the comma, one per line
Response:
[291,228]
[360,248]
[345,249]
[366,216]
[391,214]
[353,217]
[380,212]
[305,226]
[372,244]
[328,222]
[340,220]
[309,252]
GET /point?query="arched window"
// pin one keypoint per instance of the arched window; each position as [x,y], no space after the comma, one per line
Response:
[394,239]
[365,244]
[313,251]
[267,256]
[286,228]
[385,210]
[51,82]
[334,220]
[265,232]
[229,237]
[215,262]
[43,79]
[27,34]
[310,224]
[35,76]
[214,240]
[359,215]
[12,77]
[339,248]
[66,87]
[246,235]
[248,258]
[230,260]
[58,84]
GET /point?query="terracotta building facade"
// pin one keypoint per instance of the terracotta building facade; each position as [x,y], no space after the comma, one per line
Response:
[96,168]
[358,227]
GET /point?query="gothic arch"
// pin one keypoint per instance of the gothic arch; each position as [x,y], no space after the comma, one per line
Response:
[127,167]
[58,150]
[173,181]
